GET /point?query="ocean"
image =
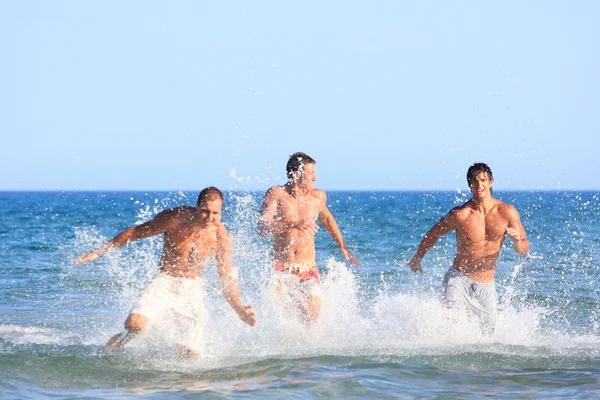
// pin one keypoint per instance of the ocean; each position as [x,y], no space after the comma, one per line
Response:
[383,332]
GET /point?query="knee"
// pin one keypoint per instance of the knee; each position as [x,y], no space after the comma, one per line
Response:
[135,323]
[187,354]
[315,303]
[315,306]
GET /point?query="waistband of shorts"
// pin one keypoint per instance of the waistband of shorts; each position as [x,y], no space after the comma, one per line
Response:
[293,267]
[162,274]
[457,274]
[305,271]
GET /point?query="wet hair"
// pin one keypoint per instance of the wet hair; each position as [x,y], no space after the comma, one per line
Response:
[476,169]
[296,163]
[208,194]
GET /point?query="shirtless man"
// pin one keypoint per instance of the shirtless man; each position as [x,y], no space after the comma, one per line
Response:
[289,213]
[191,236]
[481,225]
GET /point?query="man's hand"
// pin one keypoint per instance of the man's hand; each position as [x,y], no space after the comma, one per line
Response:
[415,265]
[91,256]
[513,234]
[349,256]
[308,227]
[247,315]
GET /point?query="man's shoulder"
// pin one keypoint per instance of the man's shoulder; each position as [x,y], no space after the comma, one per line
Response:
[462,209]
[506,208]
[221,229]
[318,193]
[276,191]
[222,234]
[176,214]
[462,213]
[179,211]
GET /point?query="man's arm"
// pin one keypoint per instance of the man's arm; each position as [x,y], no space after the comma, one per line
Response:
[444,226]
[268,224]
[516,232]
[230,288]
[155,226]
[328,222]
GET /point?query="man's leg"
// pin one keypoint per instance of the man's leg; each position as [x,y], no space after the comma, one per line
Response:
[487,312]
[190,318]
[309,309]
[312,288]
[314,309]
[187,354]
[133,326]
[312,302]
[454,295]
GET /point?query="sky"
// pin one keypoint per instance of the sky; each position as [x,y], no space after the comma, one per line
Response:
[384,95]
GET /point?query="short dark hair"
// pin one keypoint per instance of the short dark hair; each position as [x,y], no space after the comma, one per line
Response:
[208,194]
[476,169]
[296,163]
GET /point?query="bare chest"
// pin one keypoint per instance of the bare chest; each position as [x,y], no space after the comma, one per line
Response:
[479,228]
[301,207]
[191,243]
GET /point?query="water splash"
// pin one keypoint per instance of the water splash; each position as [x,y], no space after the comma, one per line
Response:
[510,290]
[356,319]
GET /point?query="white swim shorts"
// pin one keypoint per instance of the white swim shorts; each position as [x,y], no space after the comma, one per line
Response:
[183,299]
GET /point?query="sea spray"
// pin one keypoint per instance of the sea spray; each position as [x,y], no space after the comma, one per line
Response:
[389,333]
[395,322]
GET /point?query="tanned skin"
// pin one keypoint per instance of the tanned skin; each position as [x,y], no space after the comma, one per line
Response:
[289,213]
[481,225]
[191,236]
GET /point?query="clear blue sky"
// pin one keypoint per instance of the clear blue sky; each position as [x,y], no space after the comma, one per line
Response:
[178,95]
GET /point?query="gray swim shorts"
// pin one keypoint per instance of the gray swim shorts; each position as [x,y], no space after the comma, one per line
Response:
[480,298]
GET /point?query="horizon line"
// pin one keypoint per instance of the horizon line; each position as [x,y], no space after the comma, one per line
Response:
[459,190]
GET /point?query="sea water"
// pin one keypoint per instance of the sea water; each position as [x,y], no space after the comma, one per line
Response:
[383,332]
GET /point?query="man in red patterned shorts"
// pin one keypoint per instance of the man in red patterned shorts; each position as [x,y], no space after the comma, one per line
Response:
[289,213]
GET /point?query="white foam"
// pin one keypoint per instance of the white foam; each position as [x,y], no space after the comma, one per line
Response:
[351,323]
[36,335]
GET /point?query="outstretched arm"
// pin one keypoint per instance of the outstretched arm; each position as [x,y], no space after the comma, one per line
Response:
[516,232]
[151,228]
[230,288]
[269,224]
[328,222]
[444,226]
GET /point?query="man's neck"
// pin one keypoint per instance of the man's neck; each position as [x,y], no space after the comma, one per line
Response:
[198,223]
[485,204]
[294,189]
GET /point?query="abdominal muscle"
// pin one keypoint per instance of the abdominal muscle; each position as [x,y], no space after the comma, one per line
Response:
[189,266]
[478,262]
[295,247]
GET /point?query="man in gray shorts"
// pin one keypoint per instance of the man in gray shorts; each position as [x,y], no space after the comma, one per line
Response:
[481,225]
[460,292]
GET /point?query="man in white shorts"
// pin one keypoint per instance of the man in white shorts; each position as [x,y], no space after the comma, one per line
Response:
[481,225]
[191,236]
[180,299]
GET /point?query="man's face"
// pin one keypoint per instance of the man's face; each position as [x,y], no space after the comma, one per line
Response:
[480,185]
[209,211]
[307,177]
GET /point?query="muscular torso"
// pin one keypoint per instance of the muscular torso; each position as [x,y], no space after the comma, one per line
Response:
[296,246]
[187,246]
[479,238]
